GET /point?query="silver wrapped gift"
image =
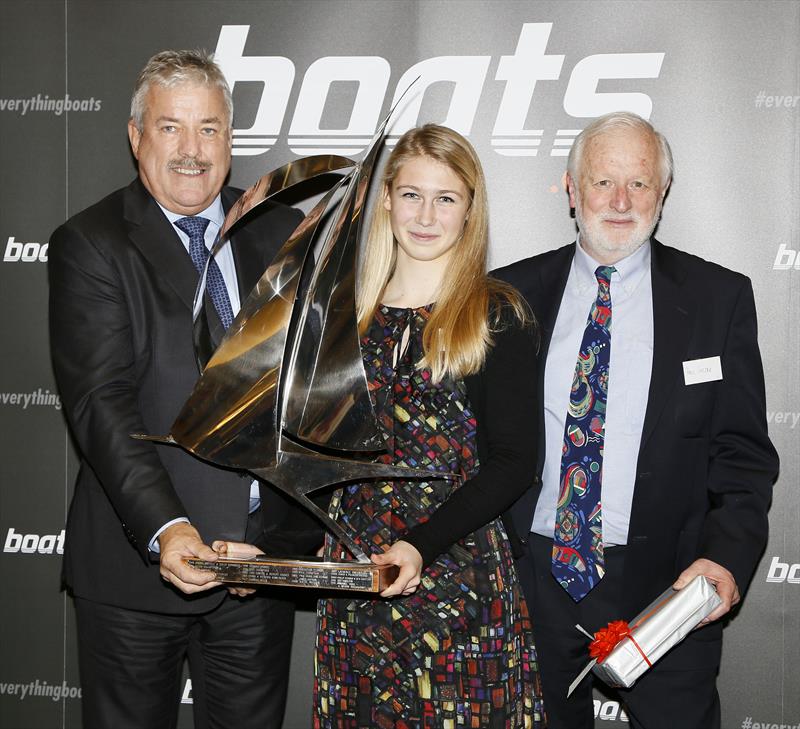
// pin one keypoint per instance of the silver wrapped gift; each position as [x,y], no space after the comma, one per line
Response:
[661,625]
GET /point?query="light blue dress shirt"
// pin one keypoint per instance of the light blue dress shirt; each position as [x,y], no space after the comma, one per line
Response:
[216,215]
[629,383]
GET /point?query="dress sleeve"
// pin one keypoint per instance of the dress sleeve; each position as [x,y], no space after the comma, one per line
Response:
[507,423]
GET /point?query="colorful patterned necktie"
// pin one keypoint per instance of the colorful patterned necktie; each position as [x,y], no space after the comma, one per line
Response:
[195,227]
[578,542]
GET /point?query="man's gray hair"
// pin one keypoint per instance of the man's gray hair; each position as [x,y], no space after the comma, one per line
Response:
[619,120]
[173,68]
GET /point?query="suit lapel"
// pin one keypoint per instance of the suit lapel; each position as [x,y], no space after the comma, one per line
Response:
[158,242]
[673,314]
[155,237]
[549,292]
[248,253]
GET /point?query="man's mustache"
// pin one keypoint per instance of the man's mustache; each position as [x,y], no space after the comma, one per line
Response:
[626,218]
[190,163]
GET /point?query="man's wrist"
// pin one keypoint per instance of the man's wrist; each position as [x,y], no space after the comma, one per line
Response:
[153,544]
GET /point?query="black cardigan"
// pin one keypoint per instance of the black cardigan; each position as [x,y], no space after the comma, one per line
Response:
[503,398]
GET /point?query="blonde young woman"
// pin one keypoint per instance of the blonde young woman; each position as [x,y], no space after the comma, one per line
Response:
[450,358]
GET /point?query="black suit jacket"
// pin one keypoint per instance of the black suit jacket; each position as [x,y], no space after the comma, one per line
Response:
[121,290]
[706,465]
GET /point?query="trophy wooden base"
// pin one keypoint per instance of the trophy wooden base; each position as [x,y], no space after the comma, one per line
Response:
[305,572]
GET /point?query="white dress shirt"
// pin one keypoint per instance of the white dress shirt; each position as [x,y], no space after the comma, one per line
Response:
[224,258]
[629,383]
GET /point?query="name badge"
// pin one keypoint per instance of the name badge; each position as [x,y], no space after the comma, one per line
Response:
[707,369]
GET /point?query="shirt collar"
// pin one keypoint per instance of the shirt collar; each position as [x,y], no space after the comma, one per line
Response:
[213,212]
[629,271]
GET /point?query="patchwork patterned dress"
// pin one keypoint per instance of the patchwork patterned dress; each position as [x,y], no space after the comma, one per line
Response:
[459,651]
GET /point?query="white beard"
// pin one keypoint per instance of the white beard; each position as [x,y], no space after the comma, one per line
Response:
[594,238]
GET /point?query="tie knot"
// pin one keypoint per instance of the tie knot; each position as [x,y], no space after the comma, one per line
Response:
[603,274]
[194,226]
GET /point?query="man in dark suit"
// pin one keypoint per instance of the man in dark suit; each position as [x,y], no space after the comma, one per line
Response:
[122,279]
[671,427]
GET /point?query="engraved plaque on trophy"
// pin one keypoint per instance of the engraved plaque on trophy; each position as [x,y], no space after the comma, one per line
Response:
[304,572]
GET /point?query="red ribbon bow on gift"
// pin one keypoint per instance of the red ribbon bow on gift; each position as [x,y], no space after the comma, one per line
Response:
[606,639]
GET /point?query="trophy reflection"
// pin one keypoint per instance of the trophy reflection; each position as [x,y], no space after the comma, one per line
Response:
[285,396]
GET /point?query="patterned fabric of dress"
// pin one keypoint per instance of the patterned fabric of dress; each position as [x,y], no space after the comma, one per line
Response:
[459,651]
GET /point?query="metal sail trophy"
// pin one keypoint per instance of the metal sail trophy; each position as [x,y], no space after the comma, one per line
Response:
[285,396]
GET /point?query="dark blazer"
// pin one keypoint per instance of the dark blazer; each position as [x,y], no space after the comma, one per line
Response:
[121,290]
[706,465]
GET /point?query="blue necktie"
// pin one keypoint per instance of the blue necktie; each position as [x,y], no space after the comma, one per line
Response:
[578,541]
[195,228]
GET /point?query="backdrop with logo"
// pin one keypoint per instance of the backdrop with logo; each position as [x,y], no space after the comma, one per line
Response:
[521,79]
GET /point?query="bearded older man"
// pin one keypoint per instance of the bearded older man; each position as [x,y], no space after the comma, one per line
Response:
[122,279]
[649,475]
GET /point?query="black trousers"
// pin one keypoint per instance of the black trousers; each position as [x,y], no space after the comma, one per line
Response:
[131,664]
[678,692]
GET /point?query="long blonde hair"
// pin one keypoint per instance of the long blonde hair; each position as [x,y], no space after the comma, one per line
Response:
[470,304]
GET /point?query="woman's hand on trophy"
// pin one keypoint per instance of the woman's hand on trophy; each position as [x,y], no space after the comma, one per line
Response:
[409,560]
[236,550]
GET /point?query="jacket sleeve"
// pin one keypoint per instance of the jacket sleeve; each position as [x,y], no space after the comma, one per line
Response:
[507,423]
[93,360]
[742,461]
